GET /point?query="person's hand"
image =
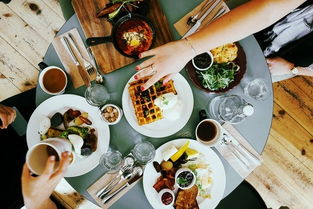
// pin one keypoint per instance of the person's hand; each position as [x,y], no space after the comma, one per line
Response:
[37,190]
[166,61]
[7,116]
[279,66]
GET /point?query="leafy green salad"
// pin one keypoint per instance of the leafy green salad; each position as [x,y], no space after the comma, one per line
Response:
[218,76]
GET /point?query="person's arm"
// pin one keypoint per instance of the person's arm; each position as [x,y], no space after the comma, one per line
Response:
[7,116]
[280,66]
[240,22]
[37,190]
[305,71]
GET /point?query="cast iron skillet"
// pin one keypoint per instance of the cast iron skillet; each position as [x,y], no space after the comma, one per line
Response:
[113,38]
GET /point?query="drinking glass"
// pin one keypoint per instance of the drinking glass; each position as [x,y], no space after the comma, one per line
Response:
[111,161]
[96,94]
[144,152]
[257,89]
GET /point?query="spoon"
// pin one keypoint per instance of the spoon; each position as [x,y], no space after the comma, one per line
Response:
[128,164]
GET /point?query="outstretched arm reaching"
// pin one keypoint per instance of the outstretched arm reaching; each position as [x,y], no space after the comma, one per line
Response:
[240,22]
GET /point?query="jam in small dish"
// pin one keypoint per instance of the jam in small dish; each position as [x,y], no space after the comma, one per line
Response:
[166,197]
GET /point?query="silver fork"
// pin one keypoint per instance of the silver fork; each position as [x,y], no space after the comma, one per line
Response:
[193,19]
[99,78]
[87,65]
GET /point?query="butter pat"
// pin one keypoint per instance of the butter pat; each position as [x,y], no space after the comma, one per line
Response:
[191,153]
[169,152]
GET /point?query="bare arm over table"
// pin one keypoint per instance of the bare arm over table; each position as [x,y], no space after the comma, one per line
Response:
[239,23]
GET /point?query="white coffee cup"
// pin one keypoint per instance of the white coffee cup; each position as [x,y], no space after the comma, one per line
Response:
[209,132]
[37,155]
[53,80]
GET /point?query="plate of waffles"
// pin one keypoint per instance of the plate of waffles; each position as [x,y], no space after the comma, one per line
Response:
[161,110]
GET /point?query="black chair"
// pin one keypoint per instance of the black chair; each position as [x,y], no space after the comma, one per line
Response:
[5,1]
[243,197]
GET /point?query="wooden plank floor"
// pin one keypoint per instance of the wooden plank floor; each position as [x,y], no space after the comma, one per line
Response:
[285,178]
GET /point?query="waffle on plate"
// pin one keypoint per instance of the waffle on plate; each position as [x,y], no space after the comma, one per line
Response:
[143,101]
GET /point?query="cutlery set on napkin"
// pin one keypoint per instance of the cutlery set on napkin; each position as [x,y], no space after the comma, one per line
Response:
[202,15]
[111,186]
[75,58]
[237,151]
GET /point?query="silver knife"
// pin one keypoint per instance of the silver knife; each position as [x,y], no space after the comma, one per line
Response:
[198,23]
[83,73]
[217,15]
[132,180]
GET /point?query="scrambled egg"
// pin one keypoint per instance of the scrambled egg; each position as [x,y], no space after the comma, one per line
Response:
[225,53]
[133,39]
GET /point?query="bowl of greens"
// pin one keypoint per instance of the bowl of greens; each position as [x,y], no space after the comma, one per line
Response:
[219,77]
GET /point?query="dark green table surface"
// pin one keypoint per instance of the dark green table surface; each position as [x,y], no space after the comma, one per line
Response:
[123,137]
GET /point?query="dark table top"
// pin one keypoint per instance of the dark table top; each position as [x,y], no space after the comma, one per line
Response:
[255,129]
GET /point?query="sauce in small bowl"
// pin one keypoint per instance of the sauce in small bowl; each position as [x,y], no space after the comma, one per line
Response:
[166,197]
[203,61]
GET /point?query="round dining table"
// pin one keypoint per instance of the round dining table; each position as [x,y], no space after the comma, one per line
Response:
[123,137]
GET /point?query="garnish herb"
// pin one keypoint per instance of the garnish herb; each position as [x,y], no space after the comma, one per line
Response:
[182,181]
[123,3]
[218,76]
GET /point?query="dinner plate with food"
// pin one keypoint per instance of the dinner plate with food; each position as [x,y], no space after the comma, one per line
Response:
[184,174]
[71,118]
[159,111]
[226,71]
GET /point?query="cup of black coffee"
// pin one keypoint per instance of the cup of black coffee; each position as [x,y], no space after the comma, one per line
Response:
[209,132]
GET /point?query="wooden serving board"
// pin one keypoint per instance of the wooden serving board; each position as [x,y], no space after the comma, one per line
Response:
[107,57]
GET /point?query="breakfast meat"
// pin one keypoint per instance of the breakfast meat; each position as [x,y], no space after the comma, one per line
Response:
[143,101]
[186,199]
[225,53]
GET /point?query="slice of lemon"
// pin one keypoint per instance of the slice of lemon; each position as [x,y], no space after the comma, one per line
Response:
[180,151]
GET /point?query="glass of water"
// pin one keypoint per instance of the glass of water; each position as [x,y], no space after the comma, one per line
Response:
[96,94]
[257,89]
[144,152]
[111,161]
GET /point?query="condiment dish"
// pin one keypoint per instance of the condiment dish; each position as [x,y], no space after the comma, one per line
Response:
[203,61]
[184,178]
[166,197]
[111,114]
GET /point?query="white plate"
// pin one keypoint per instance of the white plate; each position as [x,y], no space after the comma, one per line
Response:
[218,175]
[163,127]
[61,104]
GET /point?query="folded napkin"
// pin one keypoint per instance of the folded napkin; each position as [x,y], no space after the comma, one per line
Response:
[238,153]
[66,60]
[182,27]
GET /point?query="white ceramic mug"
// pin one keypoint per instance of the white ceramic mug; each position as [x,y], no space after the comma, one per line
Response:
[41,82]
[37,155]
[209,132]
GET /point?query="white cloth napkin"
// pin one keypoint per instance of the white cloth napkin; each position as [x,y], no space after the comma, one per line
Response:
[238,153]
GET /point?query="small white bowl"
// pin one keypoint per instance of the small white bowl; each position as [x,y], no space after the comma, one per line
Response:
[202,69]
[119,110]
[161,194]
[181,170]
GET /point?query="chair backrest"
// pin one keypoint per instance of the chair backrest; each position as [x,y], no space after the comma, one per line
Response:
[243,197]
